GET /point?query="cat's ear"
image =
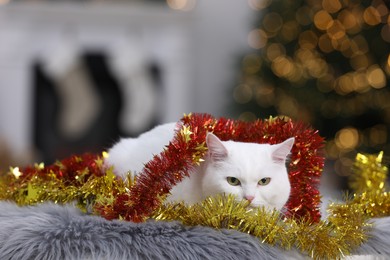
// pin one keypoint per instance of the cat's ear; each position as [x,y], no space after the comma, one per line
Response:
[282,150]
[217,151]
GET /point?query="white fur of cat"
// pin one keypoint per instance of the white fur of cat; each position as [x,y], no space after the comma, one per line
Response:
[250,171]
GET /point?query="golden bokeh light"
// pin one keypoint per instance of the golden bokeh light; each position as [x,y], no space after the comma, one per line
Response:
[385,32]
[347,138]
[383,10]
[182,5]
[325,43]
[331,6]
[336,30]
[308,39]
[272,22]
[359,45]
[275,50]
[259,4]
[297,74]
[344,84]
[387,66]
[357,12]
[257,39]
[348,20]
[252,63]
[376,77]
[289,31]
[323,20]
[388,60]
[371,16]
[319,68]
[342,44]
[359,62]
[360,83]
[282,66]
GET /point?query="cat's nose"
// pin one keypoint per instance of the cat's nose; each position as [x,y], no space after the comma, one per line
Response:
[249,197]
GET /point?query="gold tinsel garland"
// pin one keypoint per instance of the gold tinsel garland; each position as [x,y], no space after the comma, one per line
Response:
[345,229]
[368,182]
[326,239]
[50,187]
[369,174]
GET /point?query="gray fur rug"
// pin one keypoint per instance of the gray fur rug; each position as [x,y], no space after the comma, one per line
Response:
[50,231]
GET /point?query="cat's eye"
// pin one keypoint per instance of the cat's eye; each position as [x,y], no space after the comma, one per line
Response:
[264,181]
[233,181]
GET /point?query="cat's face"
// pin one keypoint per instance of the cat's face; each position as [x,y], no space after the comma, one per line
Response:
[253,172]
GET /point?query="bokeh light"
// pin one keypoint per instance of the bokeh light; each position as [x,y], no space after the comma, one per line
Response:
[182,5]
[257,39]
[347,139]
[259,4]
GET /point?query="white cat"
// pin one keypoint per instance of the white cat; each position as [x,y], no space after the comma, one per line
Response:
[250,171]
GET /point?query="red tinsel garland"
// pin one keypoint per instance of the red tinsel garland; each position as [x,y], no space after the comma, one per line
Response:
[69,169]
[187,148]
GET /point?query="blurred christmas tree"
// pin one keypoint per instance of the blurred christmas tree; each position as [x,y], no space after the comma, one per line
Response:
[323,62]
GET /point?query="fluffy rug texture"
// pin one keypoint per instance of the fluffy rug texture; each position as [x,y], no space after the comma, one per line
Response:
[50,231]
[379,239]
